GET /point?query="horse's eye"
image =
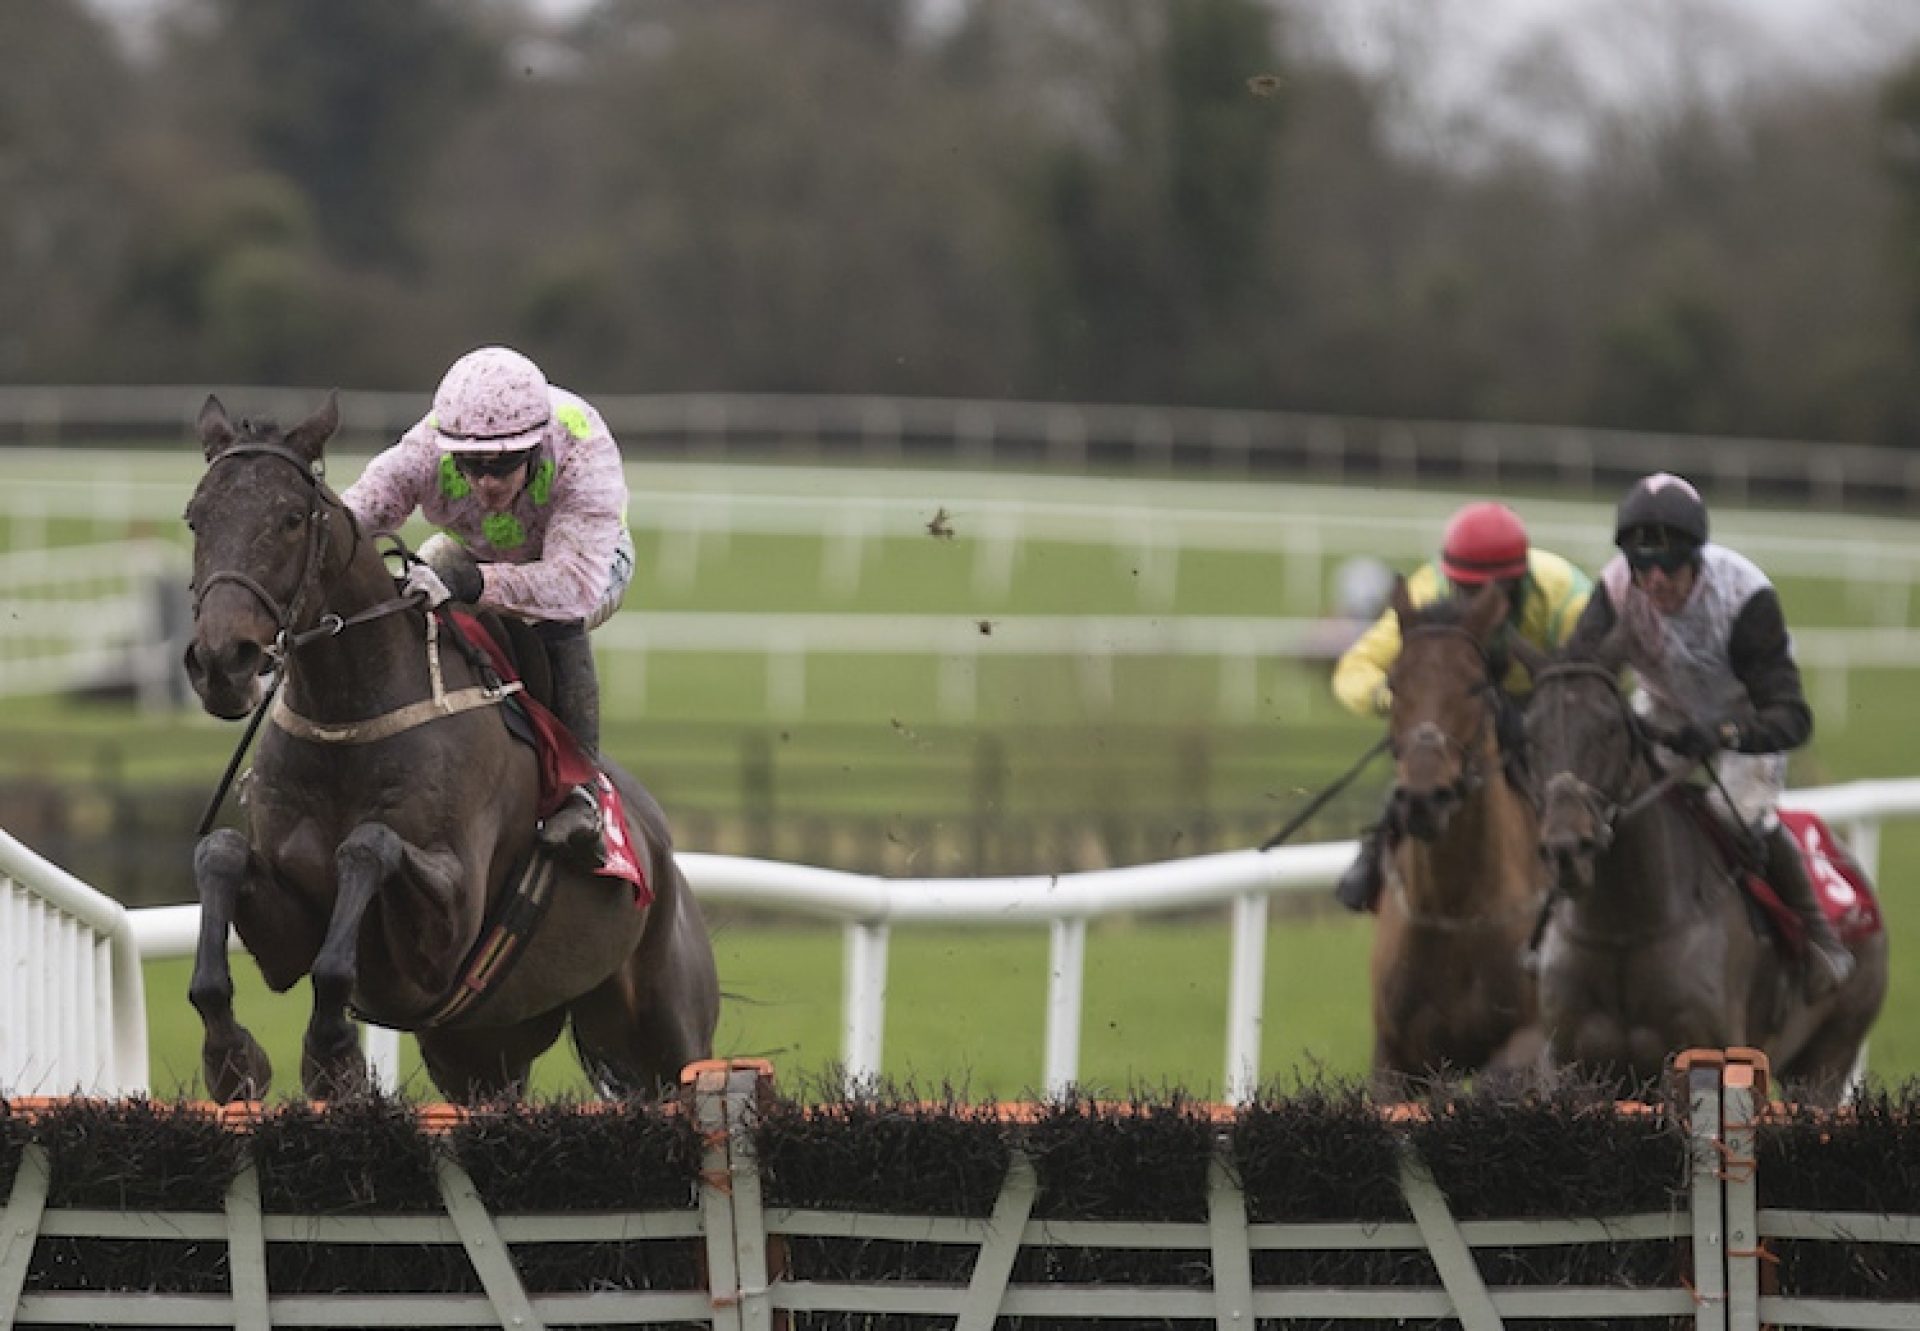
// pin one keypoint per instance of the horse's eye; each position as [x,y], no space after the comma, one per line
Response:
[292,521]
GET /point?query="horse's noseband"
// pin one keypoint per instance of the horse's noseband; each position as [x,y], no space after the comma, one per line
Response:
[1601,807]
[1428,735]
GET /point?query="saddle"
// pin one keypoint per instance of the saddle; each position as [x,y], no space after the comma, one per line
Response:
[1846,894]
[503,644]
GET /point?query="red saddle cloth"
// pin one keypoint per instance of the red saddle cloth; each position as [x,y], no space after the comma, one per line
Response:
[1838,880]
[564,765]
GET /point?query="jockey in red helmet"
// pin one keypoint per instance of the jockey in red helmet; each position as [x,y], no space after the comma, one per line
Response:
[1484,542]
[525,482]
[1715,678]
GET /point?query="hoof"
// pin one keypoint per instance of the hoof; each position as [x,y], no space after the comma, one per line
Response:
[236,1071]
[335,1073]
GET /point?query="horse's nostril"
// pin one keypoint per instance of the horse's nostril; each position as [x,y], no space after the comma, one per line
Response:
[246,657]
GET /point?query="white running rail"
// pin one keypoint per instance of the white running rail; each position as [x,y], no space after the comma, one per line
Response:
[73,1005]
[73,947]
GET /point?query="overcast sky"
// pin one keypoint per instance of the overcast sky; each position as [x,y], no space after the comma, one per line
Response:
[1465,55]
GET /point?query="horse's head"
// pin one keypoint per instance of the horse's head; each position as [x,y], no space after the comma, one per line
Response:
[1445,695]
[1585,756]
[261,518]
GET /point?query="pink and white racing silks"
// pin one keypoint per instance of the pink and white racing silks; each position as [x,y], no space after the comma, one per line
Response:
[550,555]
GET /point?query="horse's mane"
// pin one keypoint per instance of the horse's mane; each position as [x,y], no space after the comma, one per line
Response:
[1454,612]
[259,430]
[1607,650]
[1447,610]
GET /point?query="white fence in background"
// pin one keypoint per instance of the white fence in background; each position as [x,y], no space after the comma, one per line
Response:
[696,508]
[92,988]
[1093,643]
[1063,435]
[115,616]
[77,615]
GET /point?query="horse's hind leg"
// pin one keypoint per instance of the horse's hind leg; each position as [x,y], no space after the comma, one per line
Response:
[625,1045]
[487,1063]
[1818,1074]
[236,1067]
[657,1013]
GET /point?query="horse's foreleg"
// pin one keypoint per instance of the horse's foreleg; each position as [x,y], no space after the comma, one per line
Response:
[331,1063]
[234,1064]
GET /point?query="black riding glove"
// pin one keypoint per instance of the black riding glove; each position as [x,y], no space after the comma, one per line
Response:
[457,567]
[1695,741]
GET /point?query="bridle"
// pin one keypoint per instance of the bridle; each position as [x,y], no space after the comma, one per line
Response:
[1427,734]
[1609,808]
[288,639]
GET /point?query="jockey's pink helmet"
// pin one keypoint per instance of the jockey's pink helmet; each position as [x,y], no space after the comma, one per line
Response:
[493,400]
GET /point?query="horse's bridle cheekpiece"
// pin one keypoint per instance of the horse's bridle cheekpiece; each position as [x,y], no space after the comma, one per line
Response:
[285,617]
[1609,808]
[1427,733]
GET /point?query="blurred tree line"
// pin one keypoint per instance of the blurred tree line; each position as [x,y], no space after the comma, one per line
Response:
[1199,202]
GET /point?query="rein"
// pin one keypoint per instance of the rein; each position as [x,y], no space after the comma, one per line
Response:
[1612,809]
[1318,802]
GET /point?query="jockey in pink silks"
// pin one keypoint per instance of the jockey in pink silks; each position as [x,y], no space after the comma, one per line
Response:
[525,483]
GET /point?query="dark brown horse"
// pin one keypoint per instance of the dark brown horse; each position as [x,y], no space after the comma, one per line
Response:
[375,866]
[1450,994]
[1654,949]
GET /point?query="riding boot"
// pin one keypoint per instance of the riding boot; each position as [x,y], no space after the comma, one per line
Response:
[574,828]
[1828,963]
[1359,887]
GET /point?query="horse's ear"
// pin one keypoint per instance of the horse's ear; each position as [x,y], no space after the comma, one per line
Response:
[311,435]
[1485,611]
[1527,654]
[1401,602]
[216,431]
[1611,651]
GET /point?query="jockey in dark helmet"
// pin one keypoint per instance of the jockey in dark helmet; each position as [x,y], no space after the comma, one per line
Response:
[525,482]
[1709,647]
[1484,542]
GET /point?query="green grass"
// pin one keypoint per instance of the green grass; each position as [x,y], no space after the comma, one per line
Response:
[965,1006]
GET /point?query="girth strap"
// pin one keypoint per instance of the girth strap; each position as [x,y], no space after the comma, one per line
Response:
[389,724]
